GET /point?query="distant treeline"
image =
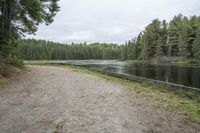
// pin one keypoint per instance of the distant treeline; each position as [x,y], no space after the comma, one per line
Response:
[45,50]
[178,38]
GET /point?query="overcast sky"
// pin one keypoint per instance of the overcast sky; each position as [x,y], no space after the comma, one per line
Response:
[110,20]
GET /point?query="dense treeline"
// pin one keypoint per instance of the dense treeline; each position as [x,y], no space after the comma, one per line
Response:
[178,38]
[45,50]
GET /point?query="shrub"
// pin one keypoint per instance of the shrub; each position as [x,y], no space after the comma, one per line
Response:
[14,61]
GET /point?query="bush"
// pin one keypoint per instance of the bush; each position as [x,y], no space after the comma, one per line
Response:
[14,61]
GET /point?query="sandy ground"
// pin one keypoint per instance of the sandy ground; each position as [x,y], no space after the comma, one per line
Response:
[57,100]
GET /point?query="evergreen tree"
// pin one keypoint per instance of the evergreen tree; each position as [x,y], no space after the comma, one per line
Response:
[124,52]
[134,54]
[183,43]
[139,44]
[18,17]
[164,38]
[175,26]
[196,46]
[153,40]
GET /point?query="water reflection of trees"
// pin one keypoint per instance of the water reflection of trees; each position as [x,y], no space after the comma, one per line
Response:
[189,76]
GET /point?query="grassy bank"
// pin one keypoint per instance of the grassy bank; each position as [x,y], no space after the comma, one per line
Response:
[188,103]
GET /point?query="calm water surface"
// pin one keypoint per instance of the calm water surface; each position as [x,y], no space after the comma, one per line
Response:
[184,75]
[179,74]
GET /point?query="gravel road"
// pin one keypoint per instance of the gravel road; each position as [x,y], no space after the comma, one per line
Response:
[57,100]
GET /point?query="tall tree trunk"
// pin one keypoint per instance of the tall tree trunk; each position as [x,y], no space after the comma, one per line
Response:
[5,27]
[8,20]
[2,26]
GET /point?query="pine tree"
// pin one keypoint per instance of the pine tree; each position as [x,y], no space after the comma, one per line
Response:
[164,38]
[193,26]
[20,17]
[139,44]
[124,52]
[175,26]
[152,39]
[183,44]
[134,53]
[159,49]
[146,53]
[196,46]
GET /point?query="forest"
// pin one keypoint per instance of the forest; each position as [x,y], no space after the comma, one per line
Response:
[179,37]
[17,19]
[32,49]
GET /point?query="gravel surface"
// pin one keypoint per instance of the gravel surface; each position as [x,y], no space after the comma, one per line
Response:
[57,100]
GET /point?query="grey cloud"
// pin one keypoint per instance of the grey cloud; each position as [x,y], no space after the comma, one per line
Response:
[110,20]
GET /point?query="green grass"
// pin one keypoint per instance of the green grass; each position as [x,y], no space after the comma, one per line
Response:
[186,102]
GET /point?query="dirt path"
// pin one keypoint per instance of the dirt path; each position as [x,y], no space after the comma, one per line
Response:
[50,99]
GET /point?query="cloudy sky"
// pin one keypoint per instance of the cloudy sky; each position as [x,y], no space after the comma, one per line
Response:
[110,20]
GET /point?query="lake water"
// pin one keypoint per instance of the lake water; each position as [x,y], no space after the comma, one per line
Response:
[178,74]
